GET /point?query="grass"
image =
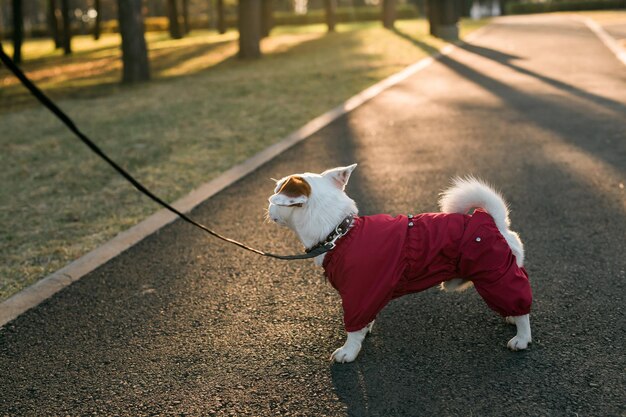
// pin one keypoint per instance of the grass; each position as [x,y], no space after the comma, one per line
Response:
[204,112]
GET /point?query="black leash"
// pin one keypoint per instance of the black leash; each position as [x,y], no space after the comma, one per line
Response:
[43,99]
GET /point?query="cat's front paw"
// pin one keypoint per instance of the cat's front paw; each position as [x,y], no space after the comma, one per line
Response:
[345,354]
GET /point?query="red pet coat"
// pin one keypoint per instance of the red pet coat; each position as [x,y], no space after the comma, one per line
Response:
[384,257]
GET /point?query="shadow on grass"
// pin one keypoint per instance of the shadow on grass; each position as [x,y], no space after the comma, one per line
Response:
[84,76]
[429,49]
[89,74]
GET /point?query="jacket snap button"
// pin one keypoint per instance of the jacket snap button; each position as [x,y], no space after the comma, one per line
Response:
[410,224]
[410,216]
[477,239]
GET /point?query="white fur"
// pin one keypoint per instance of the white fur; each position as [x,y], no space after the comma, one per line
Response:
[523,336]
[470,193]
[283,200]
[351,348]
[328,205]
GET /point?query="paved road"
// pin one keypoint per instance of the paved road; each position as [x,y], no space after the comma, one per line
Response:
[182,325]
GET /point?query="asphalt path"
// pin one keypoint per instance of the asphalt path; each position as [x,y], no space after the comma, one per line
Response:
[182,324]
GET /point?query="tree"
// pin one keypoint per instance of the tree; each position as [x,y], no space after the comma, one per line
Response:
[443,16]
[18,30]
[421,7]
[267,17]
[503,7]
[186,25]
[134,51]
[389,13]
[330,6]
[67,30]
[97,23]
[221,22]
[172,13]
[249,29]
[53,23]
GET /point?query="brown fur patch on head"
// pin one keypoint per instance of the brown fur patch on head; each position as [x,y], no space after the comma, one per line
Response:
[295,186]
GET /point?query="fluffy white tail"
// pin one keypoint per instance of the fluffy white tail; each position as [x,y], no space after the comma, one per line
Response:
[470,193]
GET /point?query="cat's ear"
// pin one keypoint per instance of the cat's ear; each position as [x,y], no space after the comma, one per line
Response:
[339,175]
[293,192]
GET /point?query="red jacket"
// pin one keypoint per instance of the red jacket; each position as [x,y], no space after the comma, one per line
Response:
[384,257]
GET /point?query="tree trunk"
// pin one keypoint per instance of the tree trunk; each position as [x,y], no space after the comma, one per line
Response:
[389,13]
[503,7]
[444,17]
[432,12]
[67,29]
[97,23]
[134,51]
[267,17]
[464,7]
[18,30]
[186,24]
[211,14]
[221,22]
[330,6]
[421,8]
[172,13]
[53,23]
[249,29]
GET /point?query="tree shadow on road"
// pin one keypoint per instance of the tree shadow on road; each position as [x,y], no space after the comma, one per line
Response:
[506,59]
[561,115]
[545,111]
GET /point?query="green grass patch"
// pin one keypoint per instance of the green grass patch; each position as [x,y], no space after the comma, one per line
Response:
[204,112]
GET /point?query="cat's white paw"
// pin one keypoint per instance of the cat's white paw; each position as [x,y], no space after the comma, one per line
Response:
[345,354]
[518,343]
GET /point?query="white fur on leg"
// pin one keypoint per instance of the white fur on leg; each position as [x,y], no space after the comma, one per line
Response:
[509,320]
[350,350]
[523,337]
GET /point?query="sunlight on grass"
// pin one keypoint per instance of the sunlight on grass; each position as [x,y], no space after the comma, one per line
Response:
[204,112]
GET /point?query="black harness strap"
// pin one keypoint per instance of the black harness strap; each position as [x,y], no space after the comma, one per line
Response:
[49,104]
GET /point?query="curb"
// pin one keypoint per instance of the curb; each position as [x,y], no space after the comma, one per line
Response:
[40,291]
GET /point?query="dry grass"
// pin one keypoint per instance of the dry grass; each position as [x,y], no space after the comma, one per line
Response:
[204,112]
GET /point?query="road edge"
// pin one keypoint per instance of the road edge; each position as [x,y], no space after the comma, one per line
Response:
[45,288]
[603,35]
